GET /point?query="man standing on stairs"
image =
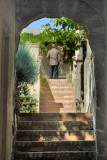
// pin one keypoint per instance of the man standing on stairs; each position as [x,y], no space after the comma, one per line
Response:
[54,60]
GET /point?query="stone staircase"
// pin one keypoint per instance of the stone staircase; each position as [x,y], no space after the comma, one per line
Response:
[57,96]
[54,136]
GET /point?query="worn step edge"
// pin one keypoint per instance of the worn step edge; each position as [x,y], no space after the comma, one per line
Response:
[55,116]
[84,153]
[50,144]
[54,131]
[53,148]
[56,124]
[58,114]
[54,135]
[56,121]
[56,152]
[60,141]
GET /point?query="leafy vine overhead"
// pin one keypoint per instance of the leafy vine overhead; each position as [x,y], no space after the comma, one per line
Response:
[65,36]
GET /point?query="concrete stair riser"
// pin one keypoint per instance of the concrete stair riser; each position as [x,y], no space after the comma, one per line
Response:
[56,95]
[46,135]
[56,98]
[55,155]
[54,125]
[55,117]
[54,146]
[55,136]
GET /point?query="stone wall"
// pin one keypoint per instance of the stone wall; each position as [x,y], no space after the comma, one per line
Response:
[92,15]
[89,81]
[35,88]
[7,52]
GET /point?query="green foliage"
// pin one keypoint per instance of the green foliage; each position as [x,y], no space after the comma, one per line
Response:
[43,82]
[26,73]
[65,37]
[91,127]
[66,23]
[26,66]
[69,77]
[40,38]
[27,103]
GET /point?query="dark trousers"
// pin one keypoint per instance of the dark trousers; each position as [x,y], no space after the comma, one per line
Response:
[54,72]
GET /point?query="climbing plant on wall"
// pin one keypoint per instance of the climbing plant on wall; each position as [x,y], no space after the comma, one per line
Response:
[65,36]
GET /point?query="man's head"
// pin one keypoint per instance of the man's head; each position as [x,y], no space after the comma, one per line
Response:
[53,46]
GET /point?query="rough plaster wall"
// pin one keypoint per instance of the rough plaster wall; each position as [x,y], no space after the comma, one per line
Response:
[0,77]
[92,15]
[103,132]
[91,88]
[7,50]
[35,88]
[89,82]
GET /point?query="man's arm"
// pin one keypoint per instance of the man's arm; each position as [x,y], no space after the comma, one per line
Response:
[59,57]
[48,55]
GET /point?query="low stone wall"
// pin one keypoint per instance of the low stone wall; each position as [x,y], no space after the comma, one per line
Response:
[35,88]
[89,82]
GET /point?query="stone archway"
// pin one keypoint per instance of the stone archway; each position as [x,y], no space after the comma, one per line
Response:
[92,16]
[86,14]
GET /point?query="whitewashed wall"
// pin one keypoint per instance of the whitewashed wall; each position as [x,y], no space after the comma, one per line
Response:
[89,82]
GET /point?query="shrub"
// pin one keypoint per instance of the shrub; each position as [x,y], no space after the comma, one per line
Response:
[26,66]
[28,104]
[26,73]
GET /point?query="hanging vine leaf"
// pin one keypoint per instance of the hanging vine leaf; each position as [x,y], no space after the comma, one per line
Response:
[65,36]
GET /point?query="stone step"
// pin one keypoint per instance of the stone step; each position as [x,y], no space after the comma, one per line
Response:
[55,111]
[57,89]
[49,109]
[55,125]
[61,82]
[55,117]
[57,100]
[56,155]
[58,81]
[69,98]
[36,146]
[67,111]
[57,95]
[51,105]
[52,135]
[58,85]
[58,92]
[63,106]
[54,104]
